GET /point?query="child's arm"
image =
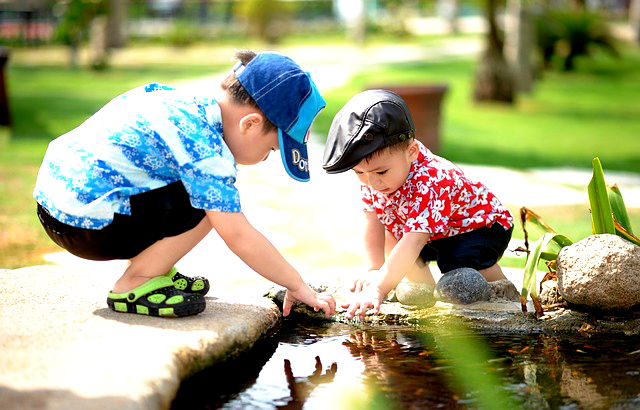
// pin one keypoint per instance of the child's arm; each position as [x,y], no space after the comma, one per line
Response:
[374,247]
[400,261]
[260,255]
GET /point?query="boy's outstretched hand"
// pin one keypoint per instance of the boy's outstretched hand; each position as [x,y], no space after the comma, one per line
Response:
[306,295]
[368,297]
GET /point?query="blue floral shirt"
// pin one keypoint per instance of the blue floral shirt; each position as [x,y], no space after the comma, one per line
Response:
[143,139]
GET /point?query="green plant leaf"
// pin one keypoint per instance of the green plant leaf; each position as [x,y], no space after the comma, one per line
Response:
[601,216]
[618,208]
[540,251]
[549,256]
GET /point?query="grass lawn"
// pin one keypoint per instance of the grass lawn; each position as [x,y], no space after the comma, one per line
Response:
[567,120]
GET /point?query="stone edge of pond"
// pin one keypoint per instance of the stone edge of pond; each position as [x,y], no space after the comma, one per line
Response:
[498,316]
[62,348]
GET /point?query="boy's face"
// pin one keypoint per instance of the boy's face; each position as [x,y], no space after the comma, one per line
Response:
[387,171]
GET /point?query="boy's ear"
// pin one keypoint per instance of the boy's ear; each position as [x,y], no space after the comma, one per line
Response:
[413,150]
[251,123]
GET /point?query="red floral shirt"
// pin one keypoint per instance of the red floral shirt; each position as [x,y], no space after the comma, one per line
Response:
[437,198]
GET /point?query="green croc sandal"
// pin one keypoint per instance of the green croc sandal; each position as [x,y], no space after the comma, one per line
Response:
[187,284]
[157,297]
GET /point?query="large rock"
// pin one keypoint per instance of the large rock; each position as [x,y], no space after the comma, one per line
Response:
[600,272]
[463,286]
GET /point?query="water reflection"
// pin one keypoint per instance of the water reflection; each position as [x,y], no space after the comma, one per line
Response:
[399,367]
[403,367]
[301,387]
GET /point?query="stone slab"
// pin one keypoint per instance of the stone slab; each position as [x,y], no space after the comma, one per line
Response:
[62,348]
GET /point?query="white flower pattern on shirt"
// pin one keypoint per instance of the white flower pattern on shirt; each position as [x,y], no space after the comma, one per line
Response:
[437,198]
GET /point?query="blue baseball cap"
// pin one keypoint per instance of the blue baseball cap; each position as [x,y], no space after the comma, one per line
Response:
[289,99]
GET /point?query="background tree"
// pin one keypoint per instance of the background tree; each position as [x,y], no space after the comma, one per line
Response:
[493,79]
[116,35]
[75,22]
[266,18]
[519,44]
[634,19]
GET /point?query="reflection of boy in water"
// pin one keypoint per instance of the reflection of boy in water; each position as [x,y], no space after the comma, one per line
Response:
[403,368]
[301,387]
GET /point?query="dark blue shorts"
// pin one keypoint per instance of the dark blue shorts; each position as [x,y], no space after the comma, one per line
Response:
[478,249]
[155,215]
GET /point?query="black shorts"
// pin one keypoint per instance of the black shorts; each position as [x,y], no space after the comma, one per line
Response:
[155,214]
[478,249]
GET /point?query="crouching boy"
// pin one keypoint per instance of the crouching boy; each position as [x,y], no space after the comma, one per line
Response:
[148,176]
[419,207]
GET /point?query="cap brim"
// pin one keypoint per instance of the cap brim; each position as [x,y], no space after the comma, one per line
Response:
[294,157]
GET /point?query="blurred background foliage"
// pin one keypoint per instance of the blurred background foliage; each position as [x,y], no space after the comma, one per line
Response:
[539,83]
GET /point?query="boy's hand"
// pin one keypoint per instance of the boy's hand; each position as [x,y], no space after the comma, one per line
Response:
[306,295]
[359,284]
[370,297]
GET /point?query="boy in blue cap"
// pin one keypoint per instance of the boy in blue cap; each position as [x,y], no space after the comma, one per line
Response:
[151,173]
[419,207]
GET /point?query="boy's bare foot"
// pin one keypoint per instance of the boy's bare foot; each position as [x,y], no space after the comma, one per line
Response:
[130,282]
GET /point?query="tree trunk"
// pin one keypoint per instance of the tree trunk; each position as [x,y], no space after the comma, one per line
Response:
[117,23]
[494,81]
[203,11]
[74,51]
[98,50]
[634,19]
[450,11]
[519,44]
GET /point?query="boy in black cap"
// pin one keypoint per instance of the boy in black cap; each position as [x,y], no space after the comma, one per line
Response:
[419,207]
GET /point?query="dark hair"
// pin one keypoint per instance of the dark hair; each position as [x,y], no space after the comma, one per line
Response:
[238,93]
[396,146]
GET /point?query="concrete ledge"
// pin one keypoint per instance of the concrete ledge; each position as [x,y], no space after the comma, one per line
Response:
[62,348]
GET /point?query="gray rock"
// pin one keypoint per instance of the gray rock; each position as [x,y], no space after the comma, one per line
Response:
[551,296]
[600,272]
[504,289]
[415,294]
[463,286]
[276,293]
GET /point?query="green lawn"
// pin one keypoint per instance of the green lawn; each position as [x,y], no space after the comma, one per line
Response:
[567,120]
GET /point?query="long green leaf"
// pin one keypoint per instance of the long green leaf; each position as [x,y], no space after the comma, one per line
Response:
[601,215]
[618,208]
[540,249]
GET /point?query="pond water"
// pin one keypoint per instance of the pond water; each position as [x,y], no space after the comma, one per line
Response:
[337,366]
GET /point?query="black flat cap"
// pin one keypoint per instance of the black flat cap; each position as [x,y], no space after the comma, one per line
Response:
[369,121]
